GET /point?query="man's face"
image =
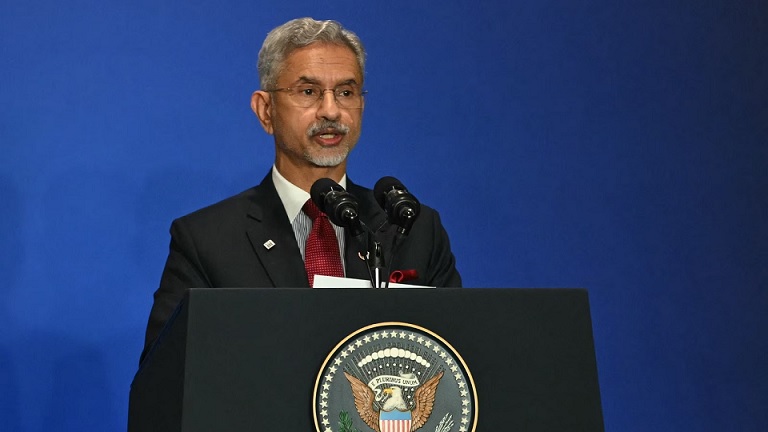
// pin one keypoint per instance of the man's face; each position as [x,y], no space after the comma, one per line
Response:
[323,134]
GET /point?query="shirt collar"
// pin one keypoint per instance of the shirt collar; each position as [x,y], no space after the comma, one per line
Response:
[292,196]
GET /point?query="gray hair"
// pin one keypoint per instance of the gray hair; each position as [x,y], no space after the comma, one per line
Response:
[298,33]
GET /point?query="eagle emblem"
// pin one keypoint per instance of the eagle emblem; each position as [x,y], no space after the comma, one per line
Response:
[395,414]
[394,377]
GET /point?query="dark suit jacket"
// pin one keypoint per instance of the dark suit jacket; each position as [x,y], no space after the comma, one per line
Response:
[222,246]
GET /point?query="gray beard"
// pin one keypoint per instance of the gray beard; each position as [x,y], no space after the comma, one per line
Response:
[335,156]
[329,160]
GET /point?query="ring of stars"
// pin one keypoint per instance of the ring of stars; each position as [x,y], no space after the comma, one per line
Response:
[389,344]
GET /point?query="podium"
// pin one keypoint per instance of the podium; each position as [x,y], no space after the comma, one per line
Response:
[250,359]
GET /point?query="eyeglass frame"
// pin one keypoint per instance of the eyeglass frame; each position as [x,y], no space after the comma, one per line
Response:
[321,94]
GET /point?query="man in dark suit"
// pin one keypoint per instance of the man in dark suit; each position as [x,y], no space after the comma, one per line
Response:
[311,100]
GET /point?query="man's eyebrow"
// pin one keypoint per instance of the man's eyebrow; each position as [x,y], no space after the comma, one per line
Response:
[310,80]
[307,80]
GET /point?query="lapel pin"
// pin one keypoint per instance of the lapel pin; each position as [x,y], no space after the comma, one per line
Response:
[269,244]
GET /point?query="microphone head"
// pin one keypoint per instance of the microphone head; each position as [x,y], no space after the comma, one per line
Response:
[384,186]
[320,189]
[339,205]
[401,206]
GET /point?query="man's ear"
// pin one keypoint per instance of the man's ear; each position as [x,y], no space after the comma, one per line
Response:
[261,104]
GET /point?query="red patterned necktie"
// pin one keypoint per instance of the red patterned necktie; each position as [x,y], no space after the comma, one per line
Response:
[321,255]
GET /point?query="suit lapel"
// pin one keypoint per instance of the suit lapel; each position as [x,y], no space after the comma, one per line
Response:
[272,238]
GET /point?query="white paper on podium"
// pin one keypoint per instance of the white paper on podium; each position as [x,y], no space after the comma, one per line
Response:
[322,281]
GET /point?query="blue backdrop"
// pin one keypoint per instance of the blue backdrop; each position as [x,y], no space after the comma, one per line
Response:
[618,146]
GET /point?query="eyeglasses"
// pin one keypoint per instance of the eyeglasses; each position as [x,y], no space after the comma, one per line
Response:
[308,95]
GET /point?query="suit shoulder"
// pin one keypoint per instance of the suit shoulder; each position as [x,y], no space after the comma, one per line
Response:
[235,206]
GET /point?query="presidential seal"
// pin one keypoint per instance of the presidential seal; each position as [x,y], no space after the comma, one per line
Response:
[394,377]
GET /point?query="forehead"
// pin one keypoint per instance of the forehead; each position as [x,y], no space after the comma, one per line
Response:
[323,62]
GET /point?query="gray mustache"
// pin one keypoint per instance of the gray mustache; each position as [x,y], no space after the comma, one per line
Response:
[316,128]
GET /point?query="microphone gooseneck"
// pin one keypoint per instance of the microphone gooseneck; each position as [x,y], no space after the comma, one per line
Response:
[402,209]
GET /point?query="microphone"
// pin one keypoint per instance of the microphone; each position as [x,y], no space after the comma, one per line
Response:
[342,209]
[339,205]
[401,206]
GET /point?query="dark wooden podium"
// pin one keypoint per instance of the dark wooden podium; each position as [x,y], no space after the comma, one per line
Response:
[248,359]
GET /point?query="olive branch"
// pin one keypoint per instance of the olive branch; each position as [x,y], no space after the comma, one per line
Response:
[445,424]
[345,423]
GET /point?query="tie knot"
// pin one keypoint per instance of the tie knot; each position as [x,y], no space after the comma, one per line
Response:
[312,210]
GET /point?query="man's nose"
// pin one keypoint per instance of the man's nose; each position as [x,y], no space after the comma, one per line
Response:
[328,108]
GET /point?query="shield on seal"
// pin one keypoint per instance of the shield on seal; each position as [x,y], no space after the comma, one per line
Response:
[395,421]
